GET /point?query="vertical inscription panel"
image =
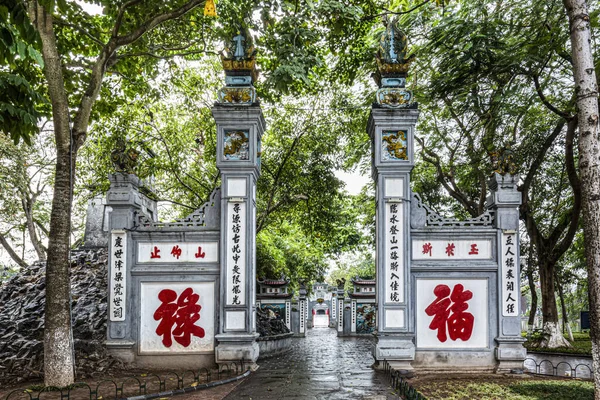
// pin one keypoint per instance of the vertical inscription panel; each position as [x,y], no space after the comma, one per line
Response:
[236,253]
[394,252]
[340,315]
[510,284]
[118,275]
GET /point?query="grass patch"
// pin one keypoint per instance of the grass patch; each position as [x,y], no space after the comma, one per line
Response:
[504,388]
[582,344]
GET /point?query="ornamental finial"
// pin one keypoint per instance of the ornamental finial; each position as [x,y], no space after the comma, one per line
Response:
[238,59]
[124,156]
[393,62]
[503,161]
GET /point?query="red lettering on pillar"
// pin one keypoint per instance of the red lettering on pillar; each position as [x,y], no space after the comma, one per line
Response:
[450,249]
[176,251]
[474,249]
[155,253]
[200,253]
[427,247]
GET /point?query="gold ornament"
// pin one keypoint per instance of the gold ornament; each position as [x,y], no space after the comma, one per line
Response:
[210,9]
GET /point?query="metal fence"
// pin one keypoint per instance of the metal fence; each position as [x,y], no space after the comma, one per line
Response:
[146,386]
[562,368]
[400,385]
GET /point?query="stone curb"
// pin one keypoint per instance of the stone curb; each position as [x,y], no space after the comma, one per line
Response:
[189,389]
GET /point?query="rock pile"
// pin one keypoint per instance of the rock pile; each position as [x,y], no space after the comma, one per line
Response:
[267,323]
[22,300]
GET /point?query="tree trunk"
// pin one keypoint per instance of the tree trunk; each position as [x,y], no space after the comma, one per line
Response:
[534,298]
[532,289]
[553,337]
[565,318]
[586,88]
[27,204]
[59,359]
[12,253]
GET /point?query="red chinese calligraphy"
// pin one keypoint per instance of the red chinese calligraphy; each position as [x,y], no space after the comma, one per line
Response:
[200,253]
[474,249]
[182,315]
[176,251]
[155,253]
[450,249]
[448,311]
[427,247]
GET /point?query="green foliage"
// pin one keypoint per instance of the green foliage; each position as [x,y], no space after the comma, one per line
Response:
[303,214]
[21,98]
[26,176]
[506,388]
[351,265]
[172,128]
[285,250]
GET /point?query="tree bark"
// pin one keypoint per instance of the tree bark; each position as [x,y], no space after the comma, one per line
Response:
[534,298]
[586,88]
[553,338]
[27,203]
[563,309]
[59,360]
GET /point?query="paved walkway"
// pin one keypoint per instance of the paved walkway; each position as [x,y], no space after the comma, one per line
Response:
[320,366]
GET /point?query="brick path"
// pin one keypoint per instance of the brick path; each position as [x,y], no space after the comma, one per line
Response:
[320,366]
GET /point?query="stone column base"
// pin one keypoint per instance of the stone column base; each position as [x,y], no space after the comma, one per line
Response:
[510,354]
[397,349]
[121,350]
[234,347]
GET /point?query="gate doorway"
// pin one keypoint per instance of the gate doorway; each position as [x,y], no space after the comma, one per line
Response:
[320,315]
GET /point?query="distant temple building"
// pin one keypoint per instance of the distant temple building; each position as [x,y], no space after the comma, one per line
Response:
[272,295]
[320,305]
[364,306]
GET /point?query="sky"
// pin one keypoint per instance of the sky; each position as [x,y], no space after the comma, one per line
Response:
[354,181]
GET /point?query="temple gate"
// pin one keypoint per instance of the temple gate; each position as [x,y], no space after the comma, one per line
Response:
[182,294]
[447,291]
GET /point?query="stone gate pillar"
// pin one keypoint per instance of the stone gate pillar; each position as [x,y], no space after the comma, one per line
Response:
[126,204]
[391,128]
[505,200]
[240,125]
[392,133]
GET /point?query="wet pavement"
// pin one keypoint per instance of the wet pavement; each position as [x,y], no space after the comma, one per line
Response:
[320,366]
